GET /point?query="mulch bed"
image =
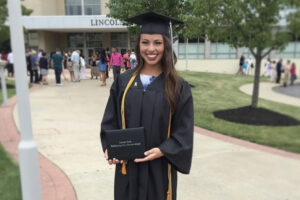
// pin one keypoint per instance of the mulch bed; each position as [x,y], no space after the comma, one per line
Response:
[256,116]
[8,86]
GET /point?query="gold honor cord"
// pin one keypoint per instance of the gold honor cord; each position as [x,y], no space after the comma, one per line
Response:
[124,171]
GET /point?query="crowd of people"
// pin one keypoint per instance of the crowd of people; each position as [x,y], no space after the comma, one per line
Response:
[272,69]
[39,63]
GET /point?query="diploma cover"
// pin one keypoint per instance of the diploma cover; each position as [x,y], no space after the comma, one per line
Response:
[126,144]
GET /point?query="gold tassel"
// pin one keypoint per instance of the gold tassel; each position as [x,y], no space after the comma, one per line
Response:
[124,171]
[168,195]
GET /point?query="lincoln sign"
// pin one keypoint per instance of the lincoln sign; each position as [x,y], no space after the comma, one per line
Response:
[105,22]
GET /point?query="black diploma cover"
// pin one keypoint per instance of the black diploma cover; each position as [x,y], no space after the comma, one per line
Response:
[125,144]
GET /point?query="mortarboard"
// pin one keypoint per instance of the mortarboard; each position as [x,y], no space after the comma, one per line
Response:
[154,23]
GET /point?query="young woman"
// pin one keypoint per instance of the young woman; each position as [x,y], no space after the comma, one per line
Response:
[94,70]
[44,68]
[102,66]
[70,66]
[159,101]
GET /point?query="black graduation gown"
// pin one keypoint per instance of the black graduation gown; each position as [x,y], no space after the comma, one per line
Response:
[150,109]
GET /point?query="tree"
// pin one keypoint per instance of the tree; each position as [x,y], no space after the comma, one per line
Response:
[4,30]
[123,9]
[241,23]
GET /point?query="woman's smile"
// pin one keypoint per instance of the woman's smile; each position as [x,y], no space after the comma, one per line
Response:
[152,48]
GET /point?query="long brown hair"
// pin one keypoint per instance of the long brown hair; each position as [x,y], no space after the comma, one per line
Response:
[171,78]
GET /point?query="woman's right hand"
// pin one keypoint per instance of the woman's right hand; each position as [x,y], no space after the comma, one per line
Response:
[112,161]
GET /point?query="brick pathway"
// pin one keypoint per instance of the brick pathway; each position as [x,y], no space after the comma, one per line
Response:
[55,184]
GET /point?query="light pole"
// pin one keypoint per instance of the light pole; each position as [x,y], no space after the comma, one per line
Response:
[3,84]
[28,156]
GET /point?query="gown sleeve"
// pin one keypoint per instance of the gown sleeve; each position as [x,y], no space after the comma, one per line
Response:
[178,148]
[110,118]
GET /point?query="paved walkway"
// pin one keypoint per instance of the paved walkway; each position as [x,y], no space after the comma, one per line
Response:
[293,91]
[66,124]
[266,91]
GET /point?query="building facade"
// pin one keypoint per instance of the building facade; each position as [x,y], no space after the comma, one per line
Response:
[84,25]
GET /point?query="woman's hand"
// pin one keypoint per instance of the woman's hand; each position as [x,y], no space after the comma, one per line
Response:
[112,161]
[150,155]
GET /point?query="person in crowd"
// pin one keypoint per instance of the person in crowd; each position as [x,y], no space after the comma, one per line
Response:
[39,56]
[108,61]
[64,67]
[43,63]
[116,62]
[160,102]
[102,66]
[34,66]
[94,70]
[70,65]
[240,70]
[278,70]
[10,64]
[268,68]
[286,69]
[245,65]
[132,60]
[293,73]
[82,67]
[250,65]
[28,63]
[76,64]
[273,71]
[58,65]
[126,58]
[4,56]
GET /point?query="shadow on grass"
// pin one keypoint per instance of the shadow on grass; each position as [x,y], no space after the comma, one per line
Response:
[256,116]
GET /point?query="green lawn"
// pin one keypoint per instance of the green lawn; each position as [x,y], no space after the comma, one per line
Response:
[214,92]
[10,92]
[10,188]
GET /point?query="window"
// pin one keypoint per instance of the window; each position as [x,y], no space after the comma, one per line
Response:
[75,40]
[92,7]
[94,40]
[119,40]
[222,51]
[292,50]
[193,50]
[73,7]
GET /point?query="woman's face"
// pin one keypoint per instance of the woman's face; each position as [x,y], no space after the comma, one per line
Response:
[152,48]
[114,50]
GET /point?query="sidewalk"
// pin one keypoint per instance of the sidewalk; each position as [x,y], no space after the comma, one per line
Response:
[267,92]
[66,125]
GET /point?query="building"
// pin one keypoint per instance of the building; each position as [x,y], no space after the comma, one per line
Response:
[84,25]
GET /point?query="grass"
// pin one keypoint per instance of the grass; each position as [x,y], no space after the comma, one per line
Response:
[10,92]
[214,92]
[10,188]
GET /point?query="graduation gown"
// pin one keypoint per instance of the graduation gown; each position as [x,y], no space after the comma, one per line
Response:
[150,109]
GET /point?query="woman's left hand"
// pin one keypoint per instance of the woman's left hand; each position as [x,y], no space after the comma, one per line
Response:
[150,155]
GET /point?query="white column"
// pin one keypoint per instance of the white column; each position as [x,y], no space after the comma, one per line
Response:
[3,83]
[82,7]
[207,48]
[186,55]
[28,155]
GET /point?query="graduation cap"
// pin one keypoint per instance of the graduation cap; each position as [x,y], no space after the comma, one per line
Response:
[154,23]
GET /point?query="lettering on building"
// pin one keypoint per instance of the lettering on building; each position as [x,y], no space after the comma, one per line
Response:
[105,22]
